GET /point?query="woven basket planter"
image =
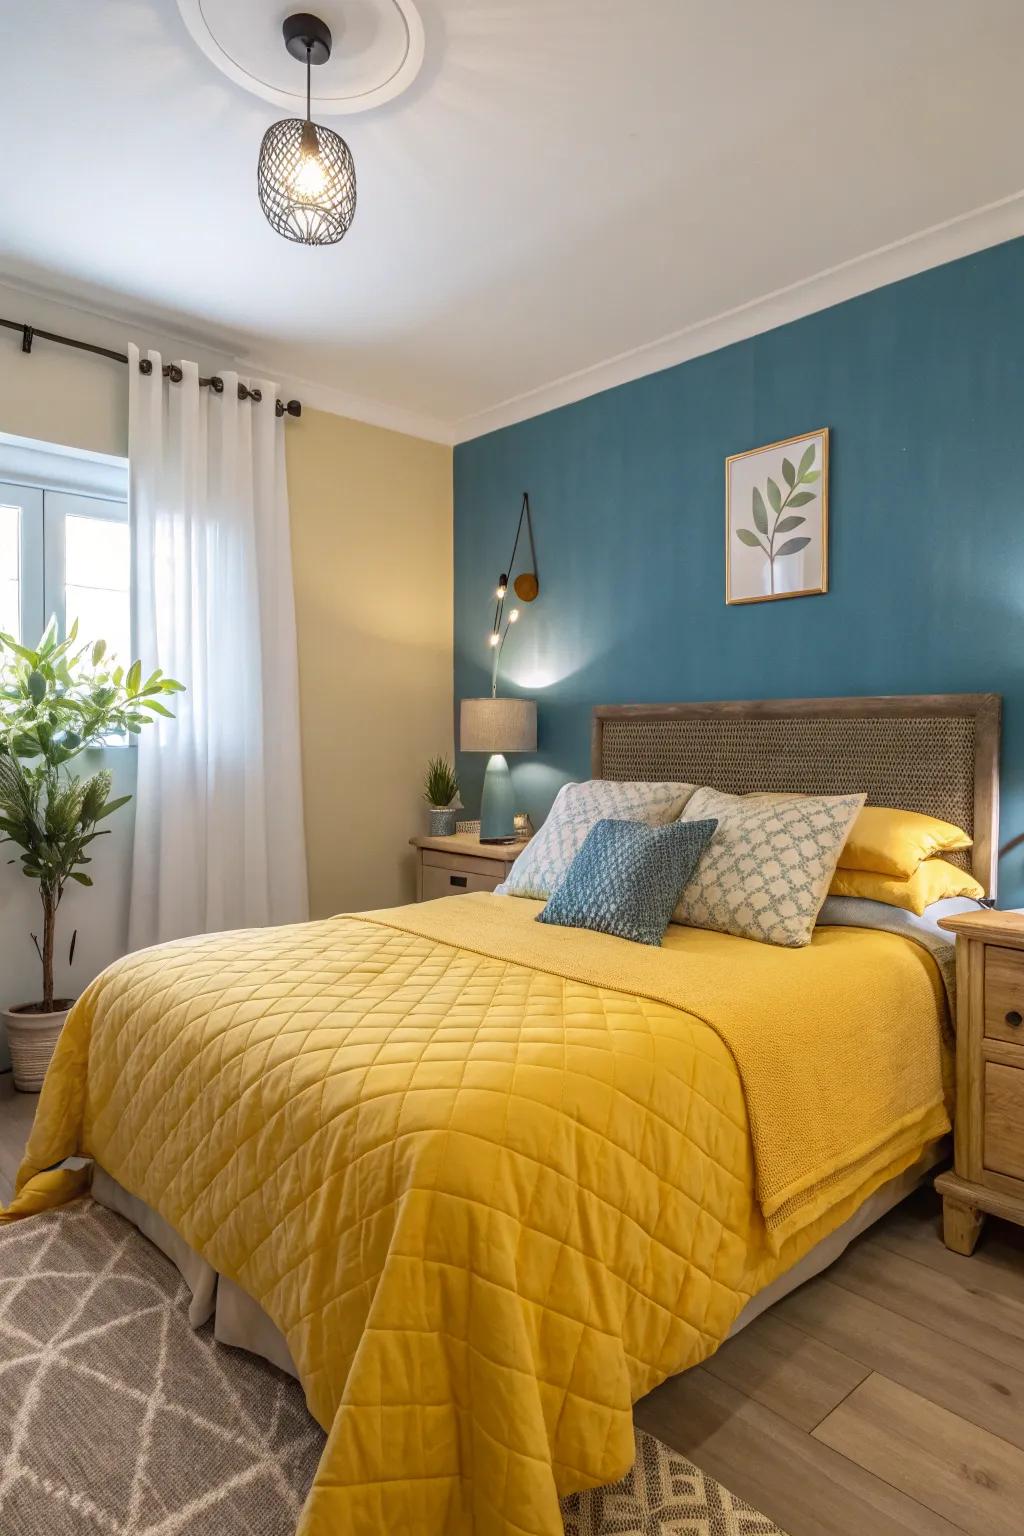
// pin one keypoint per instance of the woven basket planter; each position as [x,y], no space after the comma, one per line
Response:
[32,1038]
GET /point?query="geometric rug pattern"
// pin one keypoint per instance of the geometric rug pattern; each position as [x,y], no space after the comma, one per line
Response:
[663,1495]
[117,1418]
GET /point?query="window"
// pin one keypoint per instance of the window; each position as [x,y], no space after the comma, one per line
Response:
[65,545]
[68,556]
[87,568]
[10,570]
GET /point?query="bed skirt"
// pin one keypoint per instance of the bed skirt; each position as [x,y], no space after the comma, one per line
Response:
[242,1323]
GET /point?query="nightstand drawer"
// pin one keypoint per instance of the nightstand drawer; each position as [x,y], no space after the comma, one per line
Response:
[1004,1120]
[1004,995]
[496,867]
[448,881]
[451,866]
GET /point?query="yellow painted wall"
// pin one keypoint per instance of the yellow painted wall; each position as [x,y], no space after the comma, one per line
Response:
[371,519]
[372,551]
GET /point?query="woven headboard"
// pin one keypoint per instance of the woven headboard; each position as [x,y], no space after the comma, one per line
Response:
[935,753]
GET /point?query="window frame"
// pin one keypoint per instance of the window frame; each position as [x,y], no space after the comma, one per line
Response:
[31,594]
[43,478]
[56,511]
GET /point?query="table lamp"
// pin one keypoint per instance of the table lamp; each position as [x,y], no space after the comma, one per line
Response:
[498,726]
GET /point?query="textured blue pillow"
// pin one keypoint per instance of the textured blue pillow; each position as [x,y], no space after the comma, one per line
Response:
[627,878]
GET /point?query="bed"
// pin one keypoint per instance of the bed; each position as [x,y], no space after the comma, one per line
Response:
[482,1183]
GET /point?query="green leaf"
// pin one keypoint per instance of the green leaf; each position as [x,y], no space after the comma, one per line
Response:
[134,677]
[82,879]
[792,546]
[760,514]
[750,539]
[20,650]
[774,495]
[785,524]
[802,498]
[788,473]
[98,652]
[807,460]
[158,708]
[113,805]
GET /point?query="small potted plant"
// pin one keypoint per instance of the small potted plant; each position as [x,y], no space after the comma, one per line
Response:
[439,791]
[55,702]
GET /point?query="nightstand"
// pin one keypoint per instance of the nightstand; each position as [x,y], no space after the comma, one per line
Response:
[451,866]
[989,1129]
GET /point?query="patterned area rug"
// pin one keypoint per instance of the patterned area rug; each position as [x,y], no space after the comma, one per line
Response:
[117,1419]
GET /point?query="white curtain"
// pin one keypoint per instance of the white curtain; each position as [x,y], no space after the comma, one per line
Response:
[219,839]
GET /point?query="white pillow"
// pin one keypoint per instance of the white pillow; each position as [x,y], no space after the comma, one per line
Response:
[766,872]
[578,807]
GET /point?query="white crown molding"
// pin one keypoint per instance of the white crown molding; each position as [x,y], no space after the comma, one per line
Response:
[170,332]
[210,348]
[961,236]
[337,402]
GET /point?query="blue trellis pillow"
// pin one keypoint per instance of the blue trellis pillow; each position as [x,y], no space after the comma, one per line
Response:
[627,878]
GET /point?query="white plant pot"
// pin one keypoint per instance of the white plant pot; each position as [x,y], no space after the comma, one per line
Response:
[32,1038]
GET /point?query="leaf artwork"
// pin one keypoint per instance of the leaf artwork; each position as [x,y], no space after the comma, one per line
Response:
[765,531]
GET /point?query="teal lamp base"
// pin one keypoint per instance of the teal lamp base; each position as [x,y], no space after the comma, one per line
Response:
[497,815]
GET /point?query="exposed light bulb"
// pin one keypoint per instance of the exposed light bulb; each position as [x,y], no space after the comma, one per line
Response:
[502,586]
[493,637]
[513,615]
[309,180]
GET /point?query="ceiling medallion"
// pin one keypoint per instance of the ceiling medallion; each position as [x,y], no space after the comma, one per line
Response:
[377,54]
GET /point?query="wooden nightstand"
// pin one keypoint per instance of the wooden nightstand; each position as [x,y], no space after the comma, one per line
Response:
[451,866]
[989,1129]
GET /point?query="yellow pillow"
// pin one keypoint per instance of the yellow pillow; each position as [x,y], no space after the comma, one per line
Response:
[895,842]
[933,880]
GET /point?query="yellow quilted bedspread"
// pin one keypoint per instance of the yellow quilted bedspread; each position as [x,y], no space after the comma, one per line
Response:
[491,1186]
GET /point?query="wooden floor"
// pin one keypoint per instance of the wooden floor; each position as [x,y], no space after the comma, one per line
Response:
[16,1112]
[884,1398]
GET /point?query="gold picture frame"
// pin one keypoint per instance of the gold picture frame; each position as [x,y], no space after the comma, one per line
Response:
[766,492]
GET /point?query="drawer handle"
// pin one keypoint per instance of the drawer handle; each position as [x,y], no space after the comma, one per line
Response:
[1014,1019]
[461,880]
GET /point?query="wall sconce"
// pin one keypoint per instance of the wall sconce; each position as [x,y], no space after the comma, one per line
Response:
[526,587]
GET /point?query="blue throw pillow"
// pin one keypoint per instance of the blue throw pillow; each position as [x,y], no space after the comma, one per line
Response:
[627,878]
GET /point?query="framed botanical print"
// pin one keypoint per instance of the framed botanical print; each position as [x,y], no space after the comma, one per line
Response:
[776,520]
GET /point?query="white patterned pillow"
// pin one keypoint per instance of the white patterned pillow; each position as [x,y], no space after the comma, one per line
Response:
[766,872]
[578,807]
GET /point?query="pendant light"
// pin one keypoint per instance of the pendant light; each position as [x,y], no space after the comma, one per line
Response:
[306,177]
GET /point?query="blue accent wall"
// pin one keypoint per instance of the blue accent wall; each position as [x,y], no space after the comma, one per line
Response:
[922,384]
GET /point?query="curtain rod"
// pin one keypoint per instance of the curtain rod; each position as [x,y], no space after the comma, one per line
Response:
[170,370]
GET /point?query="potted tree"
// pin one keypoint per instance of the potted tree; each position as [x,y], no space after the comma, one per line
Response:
[55,702]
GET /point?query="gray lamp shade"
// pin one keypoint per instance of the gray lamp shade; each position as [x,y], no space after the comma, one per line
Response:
[498,725]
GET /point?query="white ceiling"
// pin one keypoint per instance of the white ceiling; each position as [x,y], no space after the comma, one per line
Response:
[565,182]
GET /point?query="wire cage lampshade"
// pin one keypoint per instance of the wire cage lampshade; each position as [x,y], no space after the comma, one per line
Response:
[306,175]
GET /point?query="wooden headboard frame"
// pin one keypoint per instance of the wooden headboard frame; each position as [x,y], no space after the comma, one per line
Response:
[934,753]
